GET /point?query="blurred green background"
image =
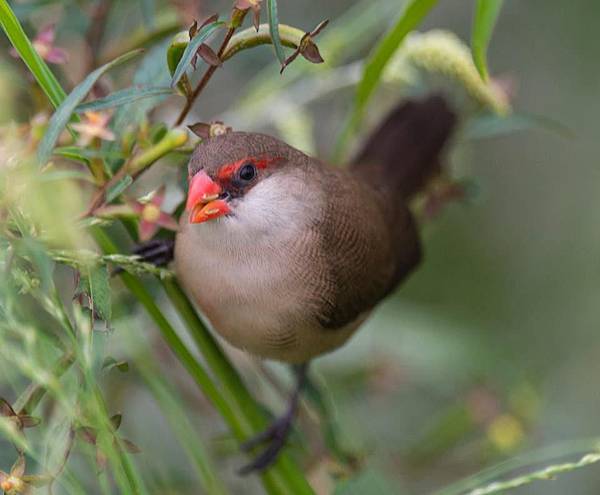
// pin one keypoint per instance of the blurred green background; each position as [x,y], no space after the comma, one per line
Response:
[492,348]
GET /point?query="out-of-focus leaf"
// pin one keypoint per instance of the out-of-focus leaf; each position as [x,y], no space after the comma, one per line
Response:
[484,20]
[488,126]
[122,97]
[148,10]
[42,73]
[412,15]
[274,30]
[118,188]
[63,113]
[110,363]
[96,283]
[116,420]
[368,482]
[83,155]
[151,71]
[55,175]
[192,48]
[58,446]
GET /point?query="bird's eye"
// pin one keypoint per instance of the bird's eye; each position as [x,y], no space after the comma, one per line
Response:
[247,172]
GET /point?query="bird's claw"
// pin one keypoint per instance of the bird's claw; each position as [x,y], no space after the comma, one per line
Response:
[275,436]
[158,252]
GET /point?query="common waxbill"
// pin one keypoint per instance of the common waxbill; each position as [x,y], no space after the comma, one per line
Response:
[287,255]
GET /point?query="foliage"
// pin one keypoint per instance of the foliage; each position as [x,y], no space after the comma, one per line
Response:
[71,207]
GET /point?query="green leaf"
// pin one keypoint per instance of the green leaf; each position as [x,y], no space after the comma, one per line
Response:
[118,188]
[413,14]
[484,20]
[57,175]
[63,113]
[274,30]
[42,73]
[83,155]
[368,482]
[488,126]
[110,363]
[148,9]
[95,282]
[122,97]
[192,48]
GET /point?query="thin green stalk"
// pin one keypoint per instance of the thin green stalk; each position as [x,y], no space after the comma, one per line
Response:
[33,394]
[180,425]
[244,419]
[42,73]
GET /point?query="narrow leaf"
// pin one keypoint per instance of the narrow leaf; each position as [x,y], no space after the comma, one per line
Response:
[122,97]
[207,54]
[116,421]
[100,292]
[192,48]
[274,30]
[118,188]
[63,113]
[110,363]
[488,126]
[83,155]
[484,20]
[413,14]
[42,73]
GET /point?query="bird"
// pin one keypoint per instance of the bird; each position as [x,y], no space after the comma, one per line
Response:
[287,255]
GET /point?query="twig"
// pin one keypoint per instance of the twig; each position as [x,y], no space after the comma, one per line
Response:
[209,71]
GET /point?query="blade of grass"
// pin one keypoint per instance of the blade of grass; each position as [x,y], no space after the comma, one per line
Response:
[180,424]
[274,30]
[484,20]
[192,48]
[122,97]
[42,73]
[61,117]
[244,416]
[544,454]
[413,14]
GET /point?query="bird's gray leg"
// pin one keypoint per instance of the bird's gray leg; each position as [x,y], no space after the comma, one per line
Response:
[278,431]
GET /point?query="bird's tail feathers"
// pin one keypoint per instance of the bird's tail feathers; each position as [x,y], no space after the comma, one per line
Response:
[404,151]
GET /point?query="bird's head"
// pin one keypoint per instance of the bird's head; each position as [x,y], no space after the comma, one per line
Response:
[224,169]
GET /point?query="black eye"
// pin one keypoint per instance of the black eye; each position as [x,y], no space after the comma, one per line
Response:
[247,172]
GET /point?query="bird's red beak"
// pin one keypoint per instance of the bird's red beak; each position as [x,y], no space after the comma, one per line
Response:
[203,201]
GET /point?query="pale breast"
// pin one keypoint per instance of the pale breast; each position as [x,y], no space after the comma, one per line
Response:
[247,272]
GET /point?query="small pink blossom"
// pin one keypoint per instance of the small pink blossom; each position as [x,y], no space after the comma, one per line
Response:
[152,218]
[44,45]
[94,125]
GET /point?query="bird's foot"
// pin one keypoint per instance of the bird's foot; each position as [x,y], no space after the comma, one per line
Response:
[275,437]
[158,252]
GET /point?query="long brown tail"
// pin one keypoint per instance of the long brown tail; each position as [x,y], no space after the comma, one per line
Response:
[403,153]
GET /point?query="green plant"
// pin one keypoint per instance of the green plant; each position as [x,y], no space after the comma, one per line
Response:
[75,195]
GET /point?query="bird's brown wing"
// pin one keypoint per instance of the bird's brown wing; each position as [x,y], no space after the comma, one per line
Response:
[360,256]
[369,236]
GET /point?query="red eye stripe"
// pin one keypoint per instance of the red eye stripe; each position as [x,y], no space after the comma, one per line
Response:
[227,172]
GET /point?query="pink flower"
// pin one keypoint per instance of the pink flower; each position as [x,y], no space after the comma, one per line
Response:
[250,4]
[44,45]
[152,218]
[94,125]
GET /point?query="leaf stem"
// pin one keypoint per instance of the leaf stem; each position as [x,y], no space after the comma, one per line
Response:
[209,71]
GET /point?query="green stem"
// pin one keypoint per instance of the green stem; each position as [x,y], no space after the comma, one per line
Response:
[33,394]
[232,399]
[249,38]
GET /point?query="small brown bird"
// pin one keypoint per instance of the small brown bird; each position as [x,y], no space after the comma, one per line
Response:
[286,255]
